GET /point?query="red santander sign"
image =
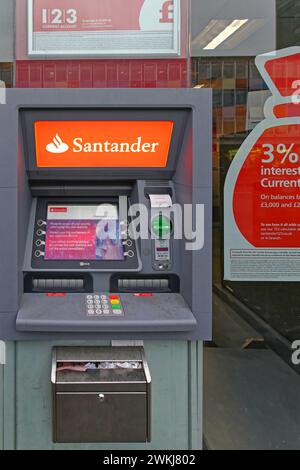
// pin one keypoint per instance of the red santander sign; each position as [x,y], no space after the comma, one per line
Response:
[100,144]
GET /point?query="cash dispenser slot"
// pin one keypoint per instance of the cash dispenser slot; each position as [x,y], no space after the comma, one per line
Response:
[58,282]
[101,394]
[145,283]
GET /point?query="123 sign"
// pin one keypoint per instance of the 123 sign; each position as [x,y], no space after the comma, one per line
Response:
[103,28]
[57,16]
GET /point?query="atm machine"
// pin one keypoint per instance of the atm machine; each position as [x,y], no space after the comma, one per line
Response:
[105,248]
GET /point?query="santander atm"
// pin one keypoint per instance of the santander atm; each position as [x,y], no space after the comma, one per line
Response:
[106,261]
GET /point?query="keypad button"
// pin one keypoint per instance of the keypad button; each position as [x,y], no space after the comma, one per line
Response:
[103,304]
[116,307]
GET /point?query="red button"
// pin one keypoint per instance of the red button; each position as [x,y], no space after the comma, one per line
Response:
[143,295]
[114,297]
[56,294]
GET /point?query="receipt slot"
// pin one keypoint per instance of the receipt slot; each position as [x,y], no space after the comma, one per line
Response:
[101,395]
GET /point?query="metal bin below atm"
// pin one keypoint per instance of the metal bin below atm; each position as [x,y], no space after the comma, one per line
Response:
[110,403]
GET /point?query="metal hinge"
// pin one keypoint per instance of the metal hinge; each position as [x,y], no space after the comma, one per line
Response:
[2,353]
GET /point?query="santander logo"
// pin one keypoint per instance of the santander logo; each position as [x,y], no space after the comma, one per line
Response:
[57,146]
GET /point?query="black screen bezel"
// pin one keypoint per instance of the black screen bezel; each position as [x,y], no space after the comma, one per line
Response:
[178,115]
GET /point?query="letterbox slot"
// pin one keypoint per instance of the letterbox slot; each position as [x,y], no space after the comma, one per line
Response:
[101,394]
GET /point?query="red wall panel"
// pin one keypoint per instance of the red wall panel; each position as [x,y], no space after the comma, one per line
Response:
[160,73]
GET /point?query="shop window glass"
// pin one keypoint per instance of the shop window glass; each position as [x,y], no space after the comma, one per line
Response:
[239,96]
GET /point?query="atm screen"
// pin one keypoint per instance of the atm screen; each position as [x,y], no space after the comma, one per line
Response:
[83,232]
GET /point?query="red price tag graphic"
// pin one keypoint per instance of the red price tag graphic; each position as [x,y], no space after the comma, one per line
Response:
[266,199]
[262,188]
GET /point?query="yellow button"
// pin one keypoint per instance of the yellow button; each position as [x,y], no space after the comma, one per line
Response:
[115,302]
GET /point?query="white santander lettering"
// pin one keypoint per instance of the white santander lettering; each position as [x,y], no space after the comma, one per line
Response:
[124,148]
[154,147]
[77,145]
[113,147]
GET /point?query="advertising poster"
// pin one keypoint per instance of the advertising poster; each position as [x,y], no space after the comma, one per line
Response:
[103,28]
[262,188]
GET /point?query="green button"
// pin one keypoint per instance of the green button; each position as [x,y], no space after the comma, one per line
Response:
[116,307]
[161,226]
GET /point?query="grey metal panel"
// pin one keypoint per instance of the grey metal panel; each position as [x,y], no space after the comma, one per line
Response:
[8,250]
[8,331]
[9,146]
[108,97]
[24,207]
[161,312]
[7,38]
[193,186]
[201,276]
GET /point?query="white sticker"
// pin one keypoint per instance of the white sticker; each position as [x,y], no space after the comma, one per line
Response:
[160,201]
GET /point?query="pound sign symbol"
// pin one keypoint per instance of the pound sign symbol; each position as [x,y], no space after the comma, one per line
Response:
[167,12]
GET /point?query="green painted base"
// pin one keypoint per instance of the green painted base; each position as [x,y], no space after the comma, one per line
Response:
[25,397]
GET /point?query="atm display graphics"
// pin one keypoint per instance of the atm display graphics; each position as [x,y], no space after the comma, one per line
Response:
[86,232]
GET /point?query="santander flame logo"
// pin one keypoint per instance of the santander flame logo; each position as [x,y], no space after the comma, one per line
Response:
[57,146]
